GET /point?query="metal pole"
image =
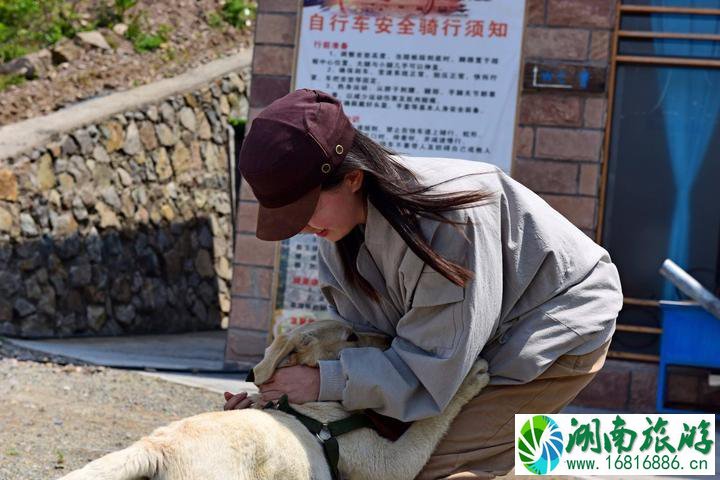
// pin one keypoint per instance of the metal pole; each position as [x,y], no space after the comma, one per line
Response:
[690,287]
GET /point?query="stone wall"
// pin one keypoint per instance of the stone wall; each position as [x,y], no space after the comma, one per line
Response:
[123,225]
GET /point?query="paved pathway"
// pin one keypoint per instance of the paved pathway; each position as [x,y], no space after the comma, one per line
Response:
[196,351]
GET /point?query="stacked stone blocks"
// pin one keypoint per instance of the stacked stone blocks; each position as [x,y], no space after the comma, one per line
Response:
[123,226]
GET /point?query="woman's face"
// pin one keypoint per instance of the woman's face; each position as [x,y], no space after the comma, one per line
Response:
[339,210]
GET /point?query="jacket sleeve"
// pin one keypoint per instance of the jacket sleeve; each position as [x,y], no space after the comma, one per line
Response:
[438,338]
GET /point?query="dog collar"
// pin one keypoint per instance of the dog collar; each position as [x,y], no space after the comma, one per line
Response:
[326,433]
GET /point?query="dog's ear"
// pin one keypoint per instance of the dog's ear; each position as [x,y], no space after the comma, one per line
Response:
[280,348]
[352,337]
[306,339]
[289,361]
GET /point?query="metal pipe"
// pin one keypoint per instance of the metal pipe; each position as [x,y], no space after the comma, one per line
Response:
[678,10]
[680,61]
[669,35]
[690,287]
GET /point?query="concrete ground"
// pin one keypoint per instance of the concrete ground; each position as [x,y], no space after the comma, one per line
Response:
[213,382]
[195,351]
[195,360]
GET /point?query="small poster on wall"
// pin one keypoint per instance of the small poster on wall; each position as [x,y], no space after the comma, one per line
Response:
[436,78]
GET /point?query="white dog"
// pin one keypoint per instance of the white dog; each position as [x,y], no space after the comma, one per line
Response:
[255,444]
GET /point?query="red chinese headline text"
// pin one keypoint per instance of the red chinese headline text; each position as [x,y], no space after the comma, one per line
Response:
[447,27]
[300,320]
[305,281]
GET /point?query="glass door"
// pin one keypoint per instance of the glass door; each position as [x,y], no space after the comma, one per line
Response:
[662,182]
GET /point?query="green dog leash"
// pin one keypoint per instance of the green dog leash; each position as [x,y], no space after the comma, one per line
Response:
[327,433]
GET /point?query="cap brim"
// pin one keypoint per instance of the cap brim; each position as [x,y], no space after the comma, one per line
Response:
[284,222]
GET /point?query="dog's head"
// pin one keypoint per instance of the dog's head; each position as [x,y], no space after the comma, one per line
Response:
[310,343]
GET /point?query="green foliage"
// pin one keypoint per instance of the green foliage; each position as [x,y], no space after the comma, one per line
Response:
[29,25]
[148,42]
[142,40]
[214,20]
[135,28]
[8,80]
[239,13]
[18,12]
[237,121]
[122,6]
[11,50]
[107,15]
[60,458]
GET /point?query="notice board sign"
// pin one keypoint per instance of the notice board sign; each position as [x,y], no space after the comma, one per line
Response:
[433,78]
[441,83]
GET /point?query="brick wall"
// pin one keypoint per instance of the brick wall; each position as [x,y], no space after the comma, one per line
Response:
[253,264]
[621,386]
[560,139]
[560,134]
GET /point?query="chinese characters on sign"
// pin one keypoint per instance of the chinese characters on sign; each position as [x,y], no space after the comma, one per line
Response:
[578,78]
[449,26]
[298,299]
[441,83]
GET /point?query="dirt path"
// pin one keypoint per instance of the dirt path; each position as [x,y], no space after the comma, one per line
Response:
[56,418]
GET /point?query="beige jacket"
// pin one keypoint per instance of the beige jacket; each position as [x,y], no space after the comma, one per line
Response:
[541,289]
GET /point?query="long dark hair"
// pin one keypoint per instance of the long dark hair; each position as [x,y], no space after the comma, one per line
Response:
[401,198]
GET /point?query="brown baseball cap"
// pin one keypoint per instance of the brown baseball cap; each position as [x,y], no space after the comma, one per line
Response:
[293,145]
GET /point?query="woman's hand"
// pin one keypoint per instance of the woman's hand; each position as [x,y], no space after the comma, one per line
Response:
[300,383]
[237,401]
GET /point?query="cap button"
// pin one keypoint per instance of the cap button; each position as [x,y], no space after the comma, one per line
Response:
[325,168]
[339,149]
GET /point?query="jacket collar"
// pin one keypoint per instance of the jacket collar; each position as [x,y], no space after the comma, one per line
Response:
[377,229]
